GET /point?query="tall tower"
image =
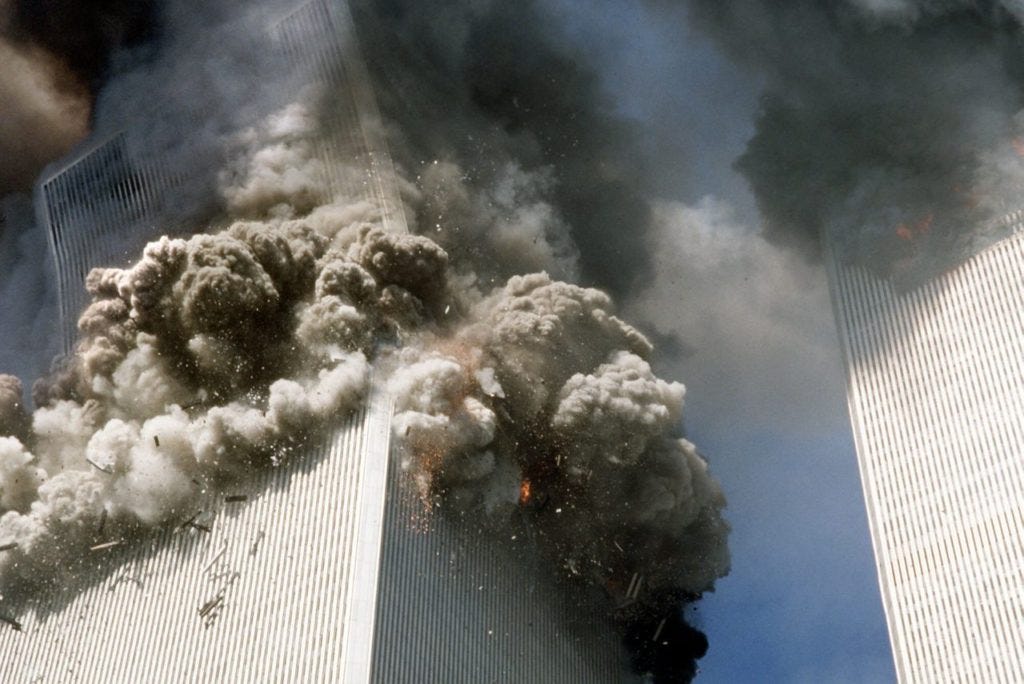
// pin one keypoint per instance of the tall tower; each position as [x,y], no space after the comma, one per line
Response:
[319,570]
[935,379]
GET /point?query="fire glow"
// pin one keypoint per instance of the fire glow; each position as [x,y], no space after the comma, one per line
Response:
[524,492]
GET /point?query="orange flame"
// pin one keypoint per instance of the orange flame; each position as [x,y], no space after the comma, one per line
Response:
[524,492]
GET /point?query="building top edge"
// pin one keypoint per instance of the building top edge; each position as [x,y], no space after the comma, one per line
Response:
[79,154]
[1011,225]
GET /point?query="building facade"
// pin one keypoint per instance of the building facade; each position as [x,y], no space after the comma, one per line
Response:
[325,572]
[98,208]
[326,568]
[936,398]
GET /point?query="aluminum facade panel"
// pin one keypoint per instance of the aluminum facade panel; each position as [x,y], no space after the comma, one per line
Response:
[322,564]
[324,573]
[97,210]
[936,397]
[461,603]
[102,205]
[266,595]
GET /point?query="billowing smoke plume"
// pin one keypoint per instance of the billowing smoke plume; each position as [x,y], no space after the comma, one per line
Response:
[218,355]
[895,124]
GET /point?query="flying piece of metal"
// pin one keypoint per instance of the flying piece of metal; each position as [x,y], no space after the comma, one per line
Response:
[15,625]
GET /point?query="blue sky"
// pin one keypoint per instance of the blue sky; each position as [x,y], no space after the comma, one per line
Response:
[765,393]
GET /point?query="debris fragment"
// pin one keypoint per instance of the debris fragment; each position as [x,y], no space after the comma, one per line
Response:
[208,607]
[633,592]
[256,543]
[8,547]
[217,557]
[156,440]
[99,467]
[15,625]
[105,545]
[191,522]
[235,498]
[657,632]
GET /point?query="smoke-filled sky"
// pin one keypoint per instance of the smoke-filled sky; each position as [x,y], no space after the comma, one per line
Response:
[683,155]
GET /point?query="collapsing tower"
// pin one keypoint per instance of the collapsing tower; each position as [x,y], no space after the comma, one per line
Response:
[935,381]
[319,570]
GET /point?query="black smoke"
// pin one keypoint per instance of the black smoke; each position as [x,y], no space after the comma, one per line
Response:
[84,35]
[485,81]
[895,124]
[665,647]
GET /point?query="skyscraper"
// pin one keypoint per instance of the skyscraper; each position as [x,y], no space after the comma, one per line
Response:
[936,398]
[325,568]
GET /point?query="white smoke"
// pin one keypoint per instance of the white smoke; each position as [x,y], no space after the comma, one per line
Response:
[211,356]
[215,356]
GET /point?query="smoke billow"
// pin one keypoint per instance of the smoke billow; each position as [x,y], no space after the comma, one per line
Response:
[216,356]
[517,393]
[545,399]
[895,125]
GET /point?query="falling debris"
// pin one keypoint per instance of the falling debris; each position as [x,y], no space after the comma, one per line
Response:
[661,626]
[632,591]
[191,522]
[216,558]
[210,605]
[9,547]
[106,545]
[99,467]
[213,356]
[256,543]
[15,625]
[235,498]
